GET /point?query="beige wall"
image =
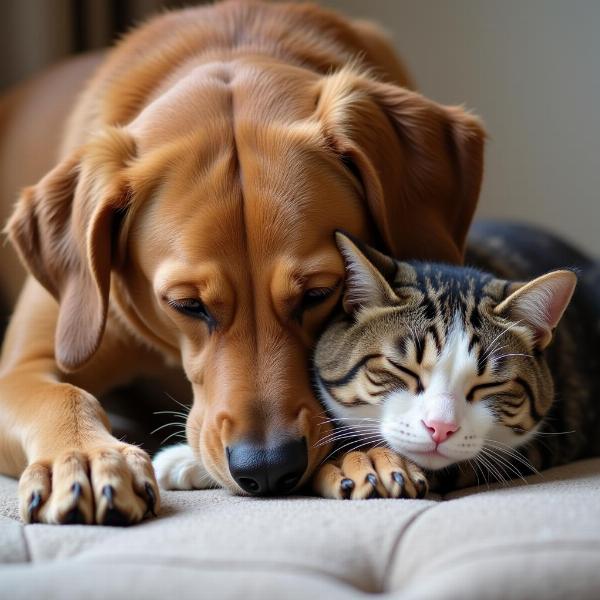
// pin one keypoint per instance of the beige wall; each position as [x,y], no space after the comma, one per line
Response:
[531,69]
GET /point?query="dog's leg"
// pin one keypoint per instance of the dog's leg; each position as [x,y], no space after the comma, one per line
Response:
[55,435]
[177,468]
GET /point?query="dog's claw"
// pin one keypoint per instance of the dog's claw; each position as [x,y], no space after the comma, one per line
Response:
[109,493]
[113,516]
[372,479]
[34,504]
[151,499]
[347,486]
[77,490]
[399,479]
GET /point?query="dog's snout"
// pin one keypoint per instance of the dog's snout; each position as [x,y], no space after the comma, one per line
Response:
[268,470]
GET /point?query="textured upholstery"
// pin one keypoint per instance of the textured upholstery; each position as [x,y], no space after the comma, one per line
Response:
[535,540]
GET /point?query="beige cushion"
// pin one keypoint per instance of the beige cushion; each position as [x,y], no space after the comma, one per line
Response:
[535,540]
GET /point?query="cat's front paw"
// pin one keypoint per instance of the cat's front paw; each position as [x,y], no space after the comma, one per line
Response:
[378,472]
[177,468]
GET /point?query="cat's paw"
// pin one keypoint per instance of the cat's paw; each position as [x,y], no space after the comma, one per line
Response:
[378,472]
[177,468]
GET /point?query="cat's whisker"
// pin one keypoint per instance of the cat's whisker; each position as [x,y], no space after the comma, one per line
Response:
[353,428]
[370,440]
[472,464]
[511,452]
[500,460]
[542,433]
[357,419]
[492,469]
[480,468]
[350,431]
[334,439]
[513,354]
[503,332]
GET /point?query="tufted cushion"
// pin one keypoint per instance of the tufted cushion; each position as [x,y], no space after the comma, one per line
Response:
[540,539]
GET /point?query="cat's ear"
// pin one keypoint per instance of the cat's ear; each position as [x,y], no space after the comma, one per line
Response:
[540,303]
[368,273]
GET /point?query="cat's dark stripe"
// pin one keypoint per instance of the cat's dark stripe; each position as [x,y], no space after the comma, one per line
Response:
[482,360]
[474,340]
[403,369]
[420,349]
[530,397]
[401,346]
[484,386]
[351,374]
[436,338]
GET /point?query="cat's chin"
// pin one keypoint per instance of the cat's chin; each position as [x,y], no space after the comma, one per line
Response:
[432,460]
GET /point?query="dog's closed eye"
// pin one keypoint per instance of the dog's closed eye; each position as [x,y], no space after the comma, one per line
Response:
[312,298]
[195,308]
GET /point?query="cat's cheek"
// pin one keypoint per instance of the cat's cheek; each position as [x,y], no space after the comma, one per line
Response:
[480,421]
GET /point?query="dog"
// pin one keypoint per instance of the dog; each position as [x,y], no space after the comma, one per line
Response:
[189,223]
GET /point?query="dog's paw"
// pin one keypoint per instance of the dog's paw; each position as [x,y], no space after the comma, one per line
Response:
[177,468]
[378,473]
[111,485]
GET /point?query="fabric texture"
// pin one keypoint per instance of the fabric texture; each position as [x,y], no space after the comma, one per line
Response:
[539,539]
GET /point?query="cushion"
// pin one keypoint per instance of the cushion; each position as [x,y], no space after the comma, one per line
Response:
[539,538]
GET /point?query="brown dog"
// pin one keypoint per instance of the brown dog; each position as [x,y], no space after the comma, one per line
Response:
[190,222]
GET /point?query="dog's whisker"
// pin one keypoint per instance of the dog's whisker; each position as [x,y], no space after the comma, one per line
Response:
[175,433]
[171,424]
[184,406]
[170,412]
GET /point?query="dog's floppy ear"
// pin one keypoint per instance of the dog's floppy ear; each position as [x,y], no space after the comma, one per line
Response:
[420,163]
[62,230]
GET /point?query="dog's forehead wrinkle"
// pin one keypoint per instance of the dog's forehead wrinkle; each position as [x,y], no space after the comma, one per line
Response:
[224,90]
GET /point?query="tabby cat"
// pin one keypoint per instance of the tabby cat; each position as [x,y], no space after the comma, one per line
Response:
[465,375]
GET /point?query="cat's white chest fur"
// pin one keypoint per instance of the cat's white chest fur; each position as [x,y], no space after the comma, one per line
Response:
[177,468]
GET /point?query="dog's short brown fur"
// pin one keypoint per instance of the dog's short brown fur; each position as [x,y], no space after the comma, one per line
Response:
[212,156]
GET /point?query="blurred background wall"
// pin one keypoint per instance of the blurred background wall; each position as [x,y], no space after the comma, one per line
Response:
[529,68]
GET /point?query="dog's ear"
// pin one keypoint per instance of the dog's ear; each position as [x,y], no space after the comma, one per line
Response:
[62,229]
[420,163]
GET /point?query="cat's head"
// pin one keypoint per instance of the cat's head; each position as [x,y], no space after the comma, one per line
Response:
[440,361]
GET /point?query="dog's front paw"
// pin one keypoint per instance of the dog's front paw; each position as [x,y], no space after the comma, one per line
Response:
[377,473]
[108,485]
[177,468]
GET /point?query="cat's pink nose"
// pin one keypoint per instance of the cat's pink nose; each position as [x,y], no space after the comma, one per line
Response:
[440,431]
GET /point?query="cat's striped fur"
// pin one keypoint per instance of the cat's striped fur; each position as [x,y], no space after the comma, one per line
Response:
[449,337]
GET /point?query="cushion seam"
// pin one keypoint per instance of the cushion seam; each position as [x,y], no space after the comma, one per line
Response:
[225,564]
[26,545]
[395,550]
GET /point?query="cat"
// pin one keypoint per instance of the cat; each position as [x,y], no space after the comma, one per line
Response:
[454,375]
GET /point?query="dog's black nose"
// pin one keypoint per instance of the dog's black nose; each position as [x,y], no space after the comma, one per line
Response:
[268,470]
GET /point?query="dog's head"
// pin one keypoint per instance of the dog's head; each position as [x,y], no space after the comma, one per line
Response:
[214,212]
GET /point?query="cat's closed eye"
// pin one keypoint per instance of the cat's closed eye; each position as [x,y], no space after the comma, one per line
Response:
[484,387]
